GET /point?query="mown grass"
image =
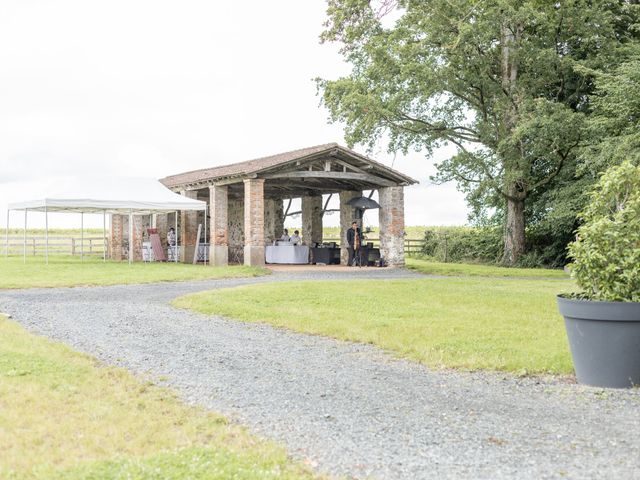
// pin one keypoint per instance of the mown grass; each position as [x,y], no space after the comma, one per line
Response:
[64,416]
[67,271]
[479,270]
[470,323]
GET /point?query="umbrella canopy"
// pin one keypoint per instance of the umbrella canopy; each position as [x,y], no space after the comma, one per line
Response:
[363,203]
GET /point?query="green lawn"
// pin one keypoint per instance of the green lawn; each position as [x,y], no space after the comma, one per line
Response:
[479,270]
[67,271]
[64,416]
[470,323]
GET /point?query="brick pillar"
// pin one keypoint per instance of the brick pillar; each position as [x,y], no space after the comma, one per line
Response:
[138,234]
[188,230]
[347,215]
[116,237]
[254,221]
[312,219]
[219,211]
[162,224]
[392,225]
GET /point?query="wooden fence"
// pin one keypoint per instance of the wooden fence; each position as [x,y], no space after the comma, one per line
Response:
[411,245]
[58,245]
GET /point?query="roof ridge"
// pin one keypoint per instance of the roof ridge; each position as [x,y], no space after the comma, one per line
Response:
[244,162]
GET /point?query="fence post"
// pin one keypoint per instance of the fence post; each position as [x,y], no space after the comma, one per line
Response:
[73,246]
[33,242]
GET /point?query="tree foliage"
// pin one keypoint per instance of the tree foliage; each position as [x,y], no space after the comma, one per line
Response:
[507,82]
[607,253]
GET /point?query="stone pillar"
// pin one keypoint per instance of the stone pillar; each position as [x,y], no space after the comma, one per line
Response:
[219,210]
[391,201]
[254,221]
[273,220]
[162,224]
[347,215]
[235,229]
[138,235]
[188,230]
[116,237]
[312,219]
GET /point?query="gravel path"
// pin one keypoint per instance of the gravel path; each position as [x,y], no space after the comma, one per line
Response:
[348,409]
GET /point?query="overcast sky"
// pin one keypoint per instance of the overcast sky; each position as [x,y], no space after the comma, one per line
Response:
[151,88]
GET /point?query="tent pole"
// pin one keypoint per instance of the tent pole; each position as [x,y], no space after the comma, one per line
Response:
[6,236]
[130,237]
[175,250]
[104,236]
[46,234]
[206,239]
[24,237]
[82,236]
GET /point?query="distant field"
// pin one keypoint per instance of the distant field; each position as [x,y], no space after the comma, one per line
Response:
[36,232]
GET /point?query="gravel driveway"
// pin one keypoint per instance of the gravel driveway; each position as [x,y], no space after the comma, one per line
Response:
[347,409]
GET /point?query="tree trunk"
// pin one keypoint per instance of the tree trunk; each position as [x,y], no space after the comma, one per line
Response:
[514,231]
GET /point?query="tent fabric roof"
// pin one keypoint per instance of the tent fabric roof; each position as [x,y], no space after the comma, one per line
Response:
[260,164]
[139,196]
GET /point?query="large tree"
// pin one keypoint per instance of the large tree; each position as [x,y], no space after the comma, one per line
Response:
[498,79]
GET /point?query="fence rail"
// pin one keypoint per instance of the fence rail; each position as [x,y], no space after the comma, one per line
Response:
[411,245]
[57,245]
[97,245]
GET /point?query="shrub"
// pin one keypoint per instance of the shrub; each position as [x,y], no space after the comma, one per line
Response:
[606,254]
[463,244]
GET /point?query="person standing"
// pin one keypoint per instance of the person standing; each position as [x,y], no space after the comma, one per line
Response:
[285,236]
[354,241]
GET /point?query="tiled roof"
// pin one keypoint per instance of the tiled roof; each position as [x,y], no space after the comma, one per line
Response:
[259,164]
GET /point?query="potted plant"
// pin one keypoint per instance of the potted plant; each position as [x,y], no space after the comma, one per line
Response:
[603,321]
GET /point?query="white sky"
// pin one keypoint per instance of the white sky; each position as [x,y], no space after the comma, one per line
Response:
[154,87]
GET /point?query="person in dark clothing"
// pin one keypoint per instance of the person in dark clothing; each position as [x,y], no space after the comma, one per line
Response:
[354,244]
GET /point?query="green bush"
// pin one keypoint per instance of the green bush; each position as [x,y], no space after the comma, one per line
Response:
[606,255]
[463,244]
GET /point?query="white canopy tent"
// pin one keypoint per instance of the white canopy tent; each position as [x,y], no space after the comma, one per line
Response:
[106,195]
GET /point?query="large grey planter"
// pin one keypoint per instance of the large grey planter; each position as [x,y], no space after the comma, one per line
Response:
[605,341]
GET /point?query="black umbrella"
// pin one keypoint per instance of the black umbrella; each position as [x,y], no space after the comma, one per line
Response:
[363,203]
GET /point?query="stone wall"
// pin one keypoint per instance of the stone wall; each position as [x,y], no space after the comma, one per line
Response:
[254,221]
[138,236]
[188,230]
[312,219]
[162,224]
[116,237]
[235,229]
[273,220]
[391,201]
[347,215]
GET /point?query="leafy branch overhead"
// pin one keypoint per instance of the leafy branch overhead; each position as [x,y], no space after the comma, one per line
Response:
[498,80]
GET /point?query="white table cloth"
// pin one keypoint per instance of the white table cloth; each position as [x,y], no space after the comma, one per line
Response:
[298,254]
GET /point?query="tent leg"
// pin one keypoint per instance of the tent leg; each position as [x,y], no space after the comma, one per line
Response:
[175,249]
[6,237]
[130,237]
[82,236]
[46,235]
[104,236]
[24,237]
